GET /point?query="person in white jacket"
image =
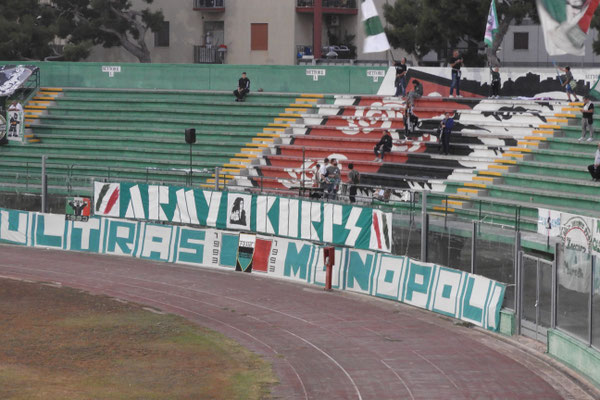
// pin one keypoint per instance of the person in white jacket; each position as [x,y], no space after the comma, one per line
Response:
[595,167]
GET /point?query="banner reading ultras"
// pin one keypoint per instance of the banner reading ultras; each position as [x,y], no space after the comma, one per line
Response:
[359,227]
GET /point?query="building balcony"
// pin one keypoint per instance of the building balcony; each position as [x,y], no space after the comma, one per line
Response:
[213,6]
[329,6]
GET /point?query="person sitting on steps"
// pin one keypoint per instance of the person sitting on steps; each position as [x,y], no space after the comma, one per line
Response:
[243,88]
[383,146]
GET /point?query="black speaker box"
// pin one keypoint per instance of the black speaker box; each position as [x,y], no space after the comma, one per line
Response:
[190,136]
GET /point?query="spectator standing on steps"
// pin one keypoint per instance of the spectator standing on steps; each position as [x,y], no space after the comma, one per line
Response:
[568,82]
[323,174]
[353,181]
[445,131]
[595,167]
[495,81]
[333,179]
[456,63]
[400,83]
[383,146]
[587,119]
[243,88]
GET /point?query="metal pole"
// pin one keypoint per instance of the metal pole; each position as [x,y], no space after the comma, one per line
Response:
[190,164]
[473,246]
[303,159]
[591,301]
[517,261]
[553,293]
[44,185]
[424,227]
[217,178]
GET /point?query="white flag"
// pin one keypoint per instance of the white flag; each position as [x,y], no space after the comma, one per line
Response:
[375,38]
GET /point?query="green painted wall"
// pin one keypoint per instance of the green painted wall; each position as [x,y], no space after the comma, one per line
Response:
[507,322]
[289,79]
[575,354]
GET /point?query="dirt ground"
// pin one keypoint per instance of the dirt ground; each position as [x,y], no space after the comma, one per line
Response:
[60,343]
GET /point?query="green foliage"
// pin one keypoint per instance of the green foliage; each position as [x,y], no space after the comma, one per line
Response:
[27,28]
[419,26]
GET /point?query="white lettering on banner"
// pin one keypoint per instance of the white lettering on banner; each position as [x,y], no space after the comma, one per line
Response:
[182,213]
[157,242]
[18,235]
[390,275]
[111,69]
[375,74]
[86,228]
[316,73]
[351,226]
[213,199]
[135,208]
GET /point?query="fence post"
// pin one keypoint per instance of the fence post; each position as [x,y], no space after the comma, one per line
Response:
[591,300]
[473,246]
[424,226]
[553,293]
[44,185]
[517,280]
[217,178]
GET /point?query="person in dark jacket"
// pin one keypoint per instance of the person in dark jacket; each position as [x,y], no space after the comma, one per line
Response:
[445,130]
[400,82]
[383,146]
[416,93]
[495,81]
[353,181]
[243,88]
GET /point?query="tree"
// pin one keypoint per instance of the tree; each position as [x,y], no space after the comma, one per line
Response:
[26,30]
[419,26]
[109,23]
[509,13]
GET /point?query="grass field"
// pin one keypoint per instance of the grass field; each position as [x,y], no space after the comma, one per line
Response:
[60,343]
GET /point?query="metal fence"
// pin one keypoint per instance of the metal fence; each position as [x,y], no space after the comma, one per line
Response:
[545,291]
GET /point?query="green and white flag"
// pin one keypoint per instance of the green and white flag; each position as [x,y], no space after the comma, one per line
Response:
[492,25]
[375,38]
[565,24]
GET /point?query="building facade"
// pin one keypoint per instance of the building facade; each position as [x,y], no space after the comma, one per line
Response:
[273,32]
[285,32]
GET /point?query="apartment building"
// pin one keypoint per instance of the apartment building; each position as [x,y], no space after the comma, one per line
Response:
[274,32]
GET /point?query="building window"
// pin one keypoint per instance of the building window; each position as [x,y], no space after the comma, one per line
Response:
[161,37]
[521,41]
[259,36]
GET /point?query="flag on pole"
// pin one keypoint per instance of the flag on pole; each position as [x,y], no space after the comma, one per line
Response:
[565,24]
[375,38]
[492,25]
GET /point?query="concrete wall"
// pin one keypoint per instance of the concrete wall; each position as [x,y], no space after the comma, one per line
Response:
[290,79]
[575,354]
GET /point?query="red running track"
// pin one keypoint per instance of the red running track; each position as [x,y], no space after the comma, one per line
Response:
[322,345]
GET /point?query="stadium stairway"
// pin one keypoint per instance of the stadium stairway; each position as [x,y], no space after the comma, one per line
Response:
[546,169]
[138,135]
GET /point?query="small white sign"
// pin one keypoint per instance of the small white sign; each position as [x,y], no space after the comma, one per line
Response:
[316,73]
[375,74]
[111,69]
